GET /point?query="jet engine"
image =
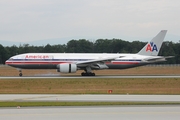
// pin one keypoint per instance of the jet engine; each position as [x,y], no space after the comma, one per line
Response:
[67,68]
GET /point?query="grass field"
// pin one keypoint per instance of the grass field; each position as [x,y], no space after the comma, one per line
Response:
[90,86]
[32,104]
[93,86]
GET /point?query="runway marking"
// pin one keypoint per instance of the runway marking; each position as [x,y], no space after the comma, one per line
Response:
[31,98]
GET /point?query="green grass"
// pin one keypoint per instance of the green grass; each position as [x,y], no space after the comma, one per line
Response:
[32,104]
[157,86]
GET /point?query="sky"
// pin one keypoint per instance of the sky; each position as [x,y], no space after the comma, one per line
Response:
[31,20]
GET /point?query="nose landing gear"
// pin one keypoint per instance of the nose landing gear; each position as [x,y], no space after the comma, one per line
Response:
[20,73]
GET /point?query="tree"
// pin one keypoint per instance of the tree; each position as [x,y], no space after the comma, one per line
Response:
[102,46]
[2,55]
[79,46]
[48,49]
[167,49]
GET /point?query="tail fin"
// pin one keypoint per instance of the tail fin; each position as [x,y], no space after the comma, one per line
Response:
[152,48]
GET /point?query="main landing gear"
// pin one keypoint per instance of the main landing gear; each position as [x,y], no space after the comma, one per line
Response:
[87,72]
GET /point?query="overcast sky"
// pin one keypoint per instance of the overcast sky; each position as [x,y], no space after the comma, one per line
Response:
[30,20]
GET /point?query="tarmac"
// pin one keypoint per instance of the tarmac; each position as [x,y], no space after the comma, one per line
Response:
[163,112]
[89,98]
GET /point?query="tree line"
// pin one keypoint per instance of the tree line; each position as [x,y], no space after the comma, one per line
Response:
[86,46]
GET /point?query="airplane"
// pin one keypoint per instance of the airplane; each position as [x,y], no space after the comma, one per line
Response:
[71,62]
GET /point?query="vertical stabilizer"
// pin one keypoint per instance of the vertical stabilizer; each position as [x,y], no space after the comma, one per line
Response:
[152,48]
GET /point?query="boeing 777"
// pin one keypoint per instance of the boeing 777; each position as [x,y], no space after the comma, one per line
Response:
[71,62]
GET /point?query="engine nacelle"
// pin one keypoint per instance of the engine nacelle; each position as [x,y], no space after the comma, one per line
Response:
[67,68]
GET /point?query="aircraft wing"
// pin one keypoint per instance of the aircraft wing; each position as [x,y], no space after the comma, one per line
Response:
[97,61]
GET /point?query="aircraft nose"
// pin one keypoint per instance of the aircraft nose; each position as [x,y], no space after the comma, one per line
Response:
[7,62]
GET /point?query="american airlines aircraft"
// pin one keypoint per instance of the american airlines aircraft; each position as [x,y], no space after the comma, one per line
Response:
[71,62]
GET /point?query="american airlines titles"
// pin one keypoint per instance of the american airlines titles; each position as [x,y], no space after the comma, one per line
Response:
[38,57]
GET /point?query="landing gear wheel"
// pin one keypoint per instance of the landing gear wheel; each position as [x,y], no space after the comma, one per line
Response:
[83,74]
[93,74]
[20,74]
[87,74]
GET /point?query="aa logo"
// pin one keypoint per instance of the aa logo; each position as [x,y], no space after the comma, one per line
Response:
[151,47]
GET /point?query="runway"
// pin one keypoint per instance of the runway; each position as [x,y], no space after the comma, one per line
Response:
[89,98]
[92,113]
[123,112]
[81,77]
